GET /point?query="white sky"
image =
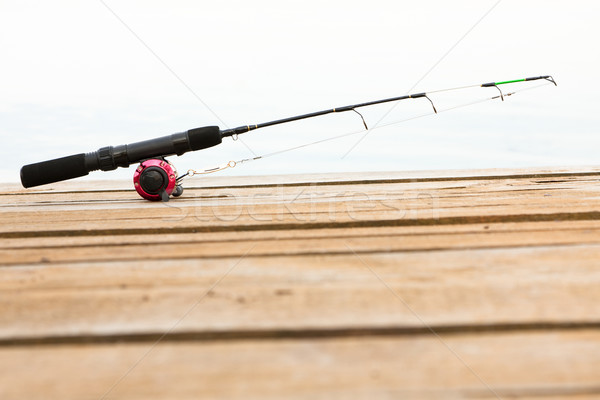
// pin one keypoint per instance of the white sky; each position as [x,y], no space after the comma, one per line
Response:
[73,78]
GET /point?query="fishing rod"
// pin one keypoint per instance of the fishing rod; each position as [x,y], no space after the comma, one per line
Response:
[248,128]
[157,179]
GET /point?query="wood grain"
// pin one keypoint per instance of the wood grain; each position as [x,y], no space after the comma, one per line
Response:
[450,284]
[521,365]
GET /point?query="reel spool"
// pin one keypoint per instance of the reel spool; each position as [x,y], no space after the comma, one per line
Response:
[156,179]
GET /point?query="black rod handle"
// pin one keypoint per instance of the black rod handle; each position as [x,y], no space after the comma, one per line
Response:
[59,169]
[109,158]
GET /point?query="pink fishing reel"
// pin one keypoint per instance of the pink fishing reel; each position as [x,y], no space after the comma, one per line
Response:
[156,179]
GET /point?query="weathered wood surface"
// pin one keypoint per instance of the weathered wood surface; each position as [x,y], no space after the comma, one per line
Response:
[456,284]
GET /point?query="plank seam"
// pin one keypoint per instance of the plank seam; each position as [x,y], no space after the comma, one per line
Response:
[483,231]
[458,220]
[302,334]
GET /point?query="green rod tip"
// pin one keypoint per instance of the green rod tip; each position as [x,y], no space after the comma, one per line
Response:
[513,81]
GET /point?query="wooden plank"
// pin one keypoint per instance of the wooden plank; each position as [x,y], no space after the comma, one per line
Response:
[521,286]
[267,243]
[533,228]
[255,187]
[289,211]
[479,183]
[522,365]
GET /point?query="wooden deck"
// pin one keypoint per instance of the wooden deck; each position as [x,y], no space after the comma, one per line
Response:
[456,284]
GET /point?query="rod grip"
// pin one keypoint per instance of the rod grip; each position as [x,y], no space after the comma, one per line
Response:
[205,137]
[56,170]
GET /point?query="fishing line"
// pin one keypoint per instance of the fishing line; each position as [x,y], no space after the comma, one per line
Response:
[232,164]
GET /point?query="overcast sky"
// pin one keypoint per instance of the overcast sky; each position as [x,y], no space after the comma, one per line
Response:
[79,75]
